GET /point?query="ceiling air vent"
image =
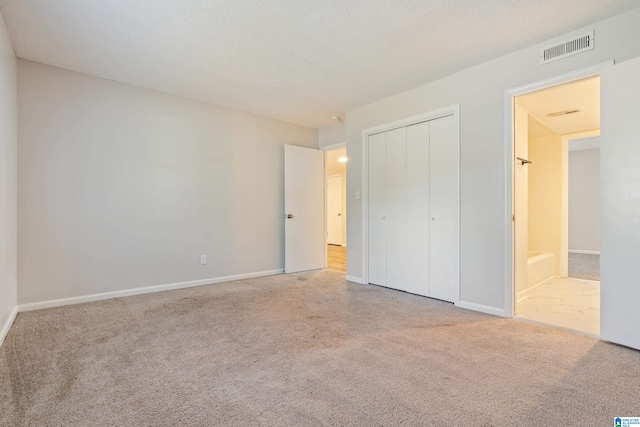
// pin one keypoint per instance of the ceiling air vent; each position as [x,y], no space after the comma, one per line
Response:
[572,47]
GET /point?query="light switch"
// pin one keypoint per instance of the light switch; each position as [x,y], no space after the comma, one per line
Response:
[357,195]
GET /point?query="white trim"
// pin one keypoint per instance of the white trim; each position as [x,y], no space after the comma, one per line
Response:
[481,308]
[561,79]
[509,99]
[589,282]
[453,110]
[334,146]
[523,294]
[7,324]
[579,251]
[140,291]
[355,279]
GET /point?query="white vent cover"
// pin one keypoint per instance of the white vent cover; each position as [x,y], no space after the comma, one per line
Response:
[571,47]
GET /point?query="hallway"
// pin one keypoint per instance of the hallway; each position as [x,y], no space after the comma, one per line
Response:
[337,258]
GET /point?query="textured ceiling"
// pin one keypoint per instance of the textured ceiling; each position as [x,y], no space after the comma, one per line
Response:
[583,95]
[295,60]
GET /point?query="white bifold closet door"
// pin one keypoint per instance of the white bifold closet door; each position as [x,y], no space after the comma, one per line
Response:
[418,228]
[396,209]
[413,209]
[377,209]
[444,172]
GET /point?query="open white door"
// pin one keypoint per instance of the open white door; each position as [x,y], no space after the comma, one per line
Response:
[620,203]
[304,209]
[334,210]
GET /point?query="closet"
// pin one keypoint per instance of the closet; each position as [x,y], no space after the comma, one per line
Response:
[413,208]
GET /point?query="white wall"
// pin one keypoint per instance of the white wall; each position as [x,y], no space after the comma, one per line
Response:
[122,187]
[480,91]
[8,164]
[584,199]
[334,133]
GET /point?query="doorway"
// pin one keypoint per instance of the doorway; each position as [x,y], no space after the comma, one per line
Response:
[336,216]
[556,206]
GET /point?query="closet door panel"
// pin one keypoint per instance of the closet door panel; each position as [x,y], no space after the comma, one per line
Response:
[397,209]
[417,259]
[377,201]
[445,212]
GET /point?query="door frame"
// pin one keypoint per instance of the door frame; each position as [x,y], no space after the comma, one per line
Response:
[344,207]
[453,110]
[509,136]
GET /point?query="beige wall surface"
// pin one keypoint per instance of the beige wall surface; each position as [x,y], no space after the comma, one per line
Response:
[123,187]
[480,92]
[584,200]
[8,177]
[521,197]
[545,196]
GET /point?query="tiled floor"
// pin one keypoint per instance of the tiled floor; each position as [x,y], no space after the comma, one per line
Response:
[568,303]
[337,258]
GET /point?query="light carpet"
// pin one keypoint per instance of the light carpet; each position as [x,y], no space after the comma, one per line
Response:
[304,350]
[584,266]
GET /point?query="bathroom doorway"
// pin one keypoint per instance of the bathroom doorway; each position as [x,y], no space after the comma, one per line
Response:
[556,206]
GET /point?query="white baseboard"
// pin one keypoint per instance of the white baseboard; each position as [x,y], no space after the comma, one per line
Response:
[587,281]
[7,324]
[482,308]
[140,291]
[524,294]
[578,251]
[356,279]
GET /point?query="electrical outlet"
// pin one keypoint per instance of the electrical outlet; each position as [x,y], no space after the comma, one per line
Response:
[203,259]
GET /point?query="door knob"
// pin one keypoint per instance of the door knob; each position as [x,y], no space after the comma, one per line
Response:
[289,216]
[339,214]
